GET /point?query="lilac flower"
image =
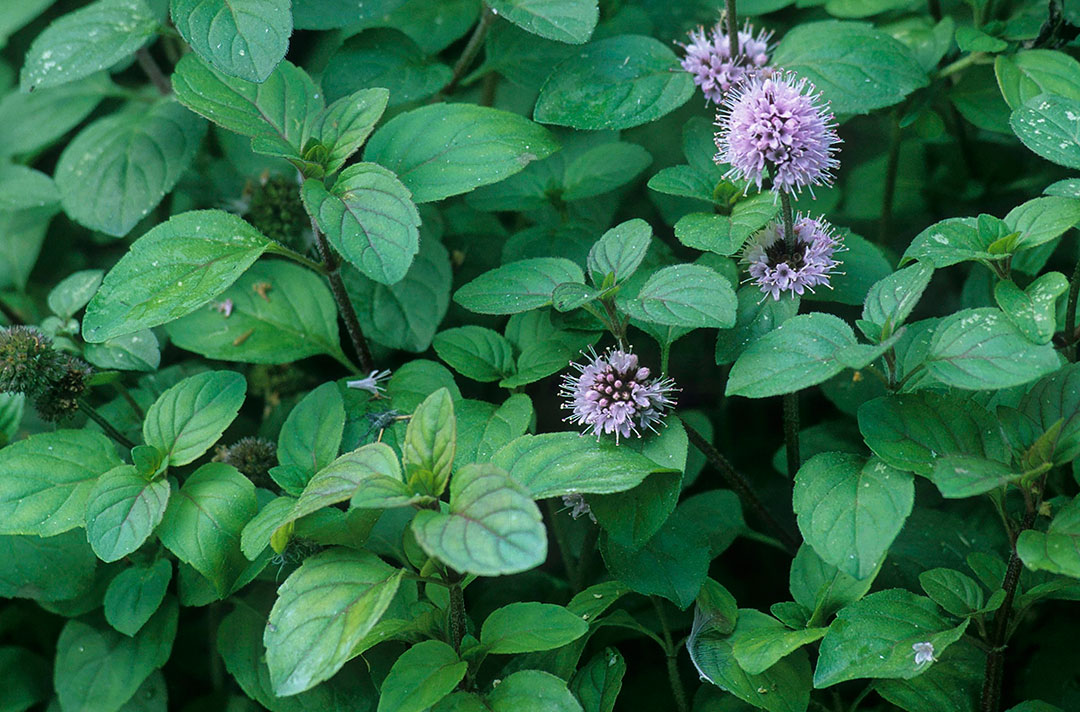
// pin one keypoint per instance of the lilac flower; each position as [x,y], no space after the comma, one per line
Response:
[924,653]
[614,394]
[224,307]
[708,58]
[779,123]
[371,383]
[578,506]
[775,268]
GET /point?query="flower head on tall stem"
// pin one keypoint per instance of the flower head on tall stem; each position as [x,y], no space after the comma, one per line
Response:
[777,267]
[708,58]
[778,123]
[613,394]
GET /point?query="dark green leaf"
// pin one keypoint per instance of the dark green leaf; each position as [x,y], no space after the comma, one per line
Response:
[525,627]
[384,58]
[1058,550]
[135,594]
[518,286]
[423,675]
[619,251]
[243,38]
[311,435]
[122,511]
[427,453]
[187,419]
[475,352]
[562,20]
[1048,124]
[689,296]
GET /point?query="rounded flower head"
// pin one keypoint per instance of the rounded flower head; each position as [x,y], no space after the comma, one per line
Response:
[780,123]
[613,394]
[708,58]
[253,457]
[776,268]
[28,363]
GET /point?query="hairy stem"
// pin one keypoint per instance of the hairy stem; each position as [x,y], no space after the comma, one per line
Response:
[476,41]
[890,180]
[561,540]
[732,27]
[105,425]
[740,485]
[279,249]
[1070,314]
[332,269]
[457,614]
[153,71]
[791,432]
[789,221]
[995,657]
[588,548]
[672,654]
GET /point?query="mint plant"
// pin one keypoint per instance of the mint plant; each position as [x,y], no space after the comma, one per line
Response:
[553,355]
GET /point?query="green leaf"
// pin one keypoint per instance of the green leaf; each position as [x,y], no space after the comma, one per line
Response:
[554,464]
[1048,124]
[518,286]
[46,479]
[873,638]
[1057,397]
[139,351]
[370,218]
[187,419]
[978,349]
[204,520]
[475,352]
[1029,73]
[686,182]
[55,568]
[784,687]
[371,472]
[33,121]
[954,591]
[1058,550]
[25,673]
[99,669]
[822,588]
[966,476]
[384,58]
[323,610]
[447,149]
[759,649]
[690,296]
[22,188]
[526,627]
[479,437]
[120,167]
[427,453]
[90,39]
[1042,219]
[856,68]
[852,285]
[850,509]
[532,689]
[598,682]
[570,21]
[344,125]
[569,296]
[493,527]
[631,518]
[407,314]
[603,168]
[242,38]
[891,300]
[910,431]
[420,677]
[801,352]
[122,511]
[949,242]
[1032,309]
[950,685]
[755,316]
[619,251]
[600,88]
[279,111]
[310,437]
[135,594]
[171,271]
[276,312]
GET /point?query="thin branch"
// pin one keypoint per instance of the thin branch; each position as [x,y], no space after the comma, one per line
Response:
[104,424]
[740,485]
[791,432]
[332,266]
[476,41]
[732,27]
[153,71]
[672,654]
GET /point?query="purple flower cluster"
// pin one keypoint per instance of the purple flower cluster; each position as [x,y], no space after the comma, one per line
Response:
[708,58]
[613,394]
[779,123]
[776,268]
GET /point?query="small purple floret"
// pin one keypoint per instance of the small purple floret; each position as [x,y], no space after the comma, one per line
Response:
[776,269]
[781,124]
[613,394]
[708,58]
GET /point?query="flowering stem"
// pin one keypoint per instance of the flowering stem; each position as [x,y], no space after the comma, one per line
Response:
[1070,315]
[789,221]
[672,654]
[732,27]
[332,270]
[104,424]
[791,432]
[739,484]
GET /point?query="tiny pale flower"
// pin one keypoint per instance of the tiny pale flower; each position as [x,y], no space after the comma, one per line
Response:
[370,383]
[708,59]
[924,652]
[777,269]
[615,395]
[578,506]
[781,124]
